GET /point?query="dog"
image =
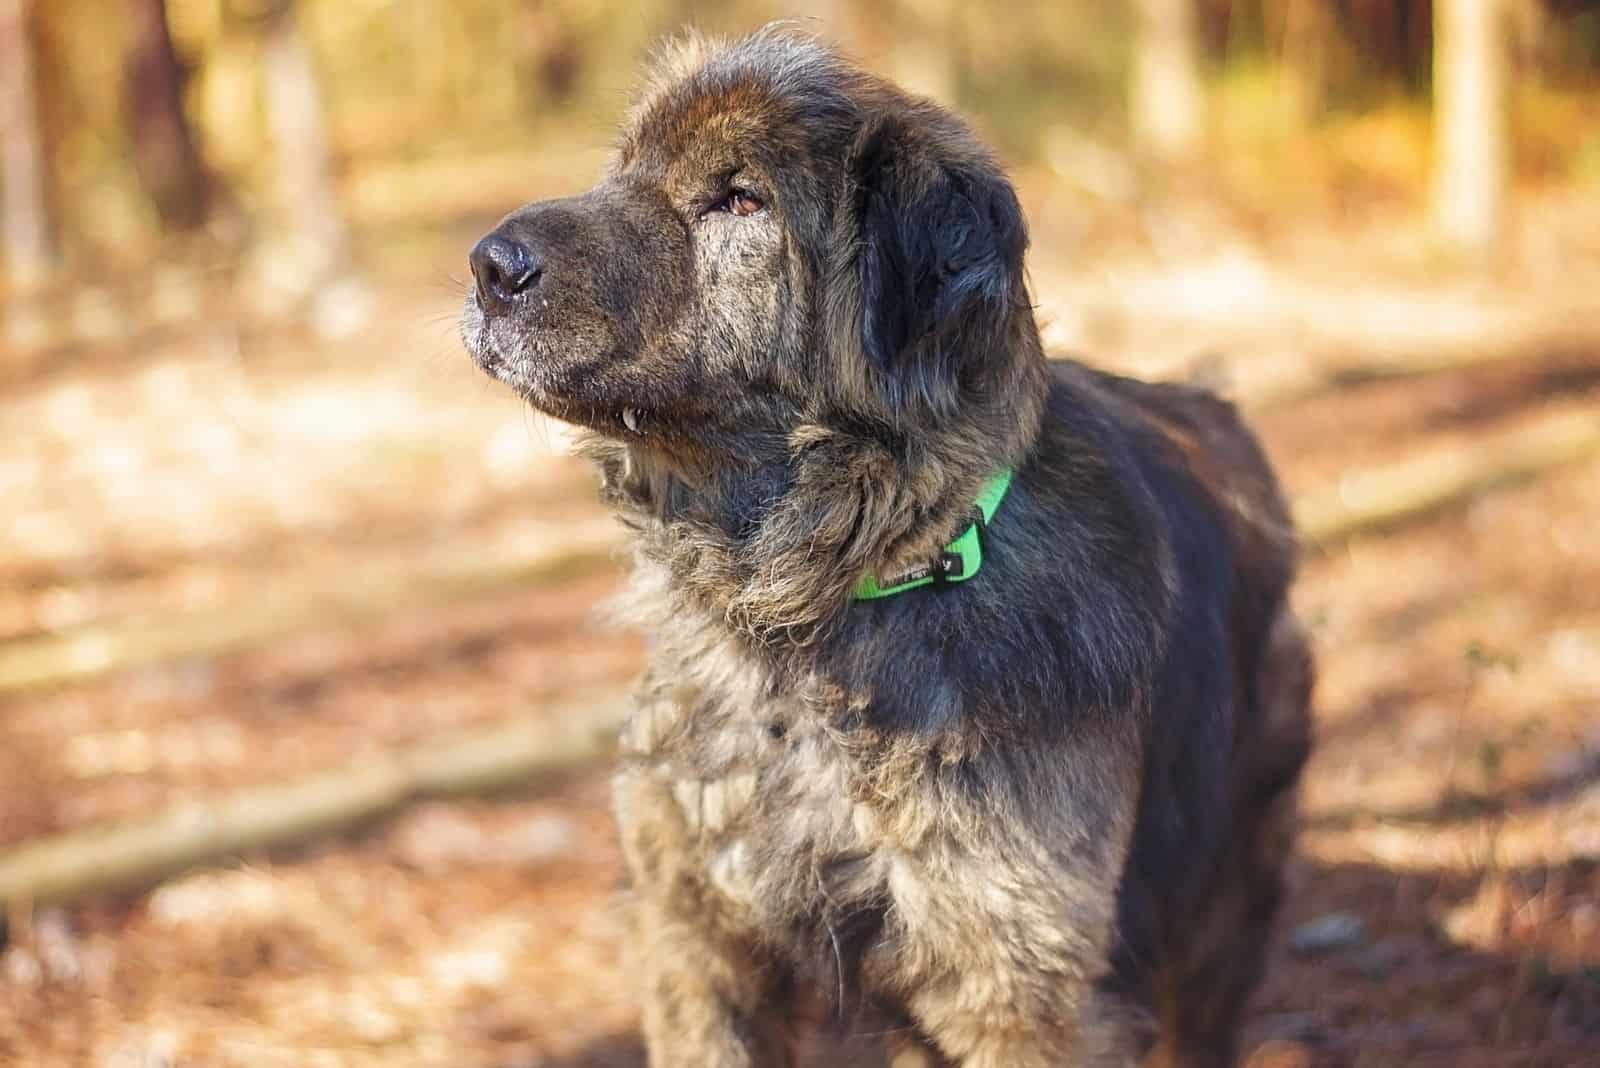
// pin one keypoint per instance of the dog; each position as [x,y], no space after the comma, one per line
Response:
[974,709]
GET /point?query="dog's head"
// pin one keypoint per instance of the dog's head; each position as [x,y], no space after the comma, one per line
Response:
[780,239]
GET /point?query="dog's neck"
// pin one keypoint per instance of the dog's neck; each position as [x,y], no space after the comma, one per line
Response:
[774,543]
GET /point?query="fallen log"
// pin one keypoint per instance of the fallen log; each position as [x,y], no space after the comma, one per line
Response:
[1376,499]
[1294,381]
[1361,502]
[526,752]
[523,754]
[81,652]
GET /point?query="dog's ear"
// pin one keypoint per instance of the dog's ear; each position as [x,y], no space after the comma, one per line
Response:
[941,242]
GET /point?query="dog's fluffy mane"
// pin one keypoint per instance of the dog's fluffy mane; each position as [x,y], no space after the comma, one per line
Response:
[932,376]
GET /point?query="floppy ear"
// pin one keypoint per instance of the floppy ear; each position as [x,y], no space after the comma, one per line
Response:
[941,247]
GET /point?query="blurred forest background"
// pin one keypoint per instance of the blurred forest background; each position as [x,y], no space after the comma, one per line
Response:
[303,701]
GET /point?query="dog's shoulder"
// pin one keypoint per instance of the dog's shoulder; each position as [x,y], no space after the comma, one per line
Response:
[1202,440]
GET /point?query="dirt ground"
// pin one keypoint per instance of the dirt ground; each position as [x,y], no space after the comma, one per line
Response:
[202,466]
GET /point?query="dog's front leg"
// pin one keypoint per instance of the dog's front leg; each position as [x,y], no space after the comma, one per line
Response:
[998,1017]
[1004,913]
[700,987]
[698,1007]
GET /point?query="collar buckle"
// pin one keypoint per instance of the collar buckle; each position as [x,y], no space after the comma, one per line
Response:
[959,561]
[947,567]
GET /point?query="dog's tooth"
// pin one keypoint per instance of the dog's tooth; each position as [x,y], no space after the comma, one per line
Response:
[630,419]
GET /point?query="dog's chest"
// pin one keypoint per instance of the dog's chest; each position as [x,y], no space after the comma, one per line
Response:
[766,805]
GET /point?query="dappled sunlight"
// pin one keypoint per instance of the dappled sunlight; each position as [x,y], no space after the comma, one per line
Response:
[272,544]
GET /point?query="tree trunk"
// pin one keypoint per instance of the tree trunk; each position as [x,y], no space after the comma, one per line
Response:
[1469,95]
[164,152]
[26,250]
[307,196]
[1166,97]
[921,51]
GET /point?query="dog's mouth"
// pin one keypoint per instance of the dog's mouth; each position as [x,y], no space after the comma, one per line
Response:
[505,370]
[627,422]
[624,420]
[474,332]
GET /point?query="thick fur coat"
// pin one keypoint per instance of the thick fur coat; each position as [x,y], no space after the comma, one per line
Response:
[1037,818]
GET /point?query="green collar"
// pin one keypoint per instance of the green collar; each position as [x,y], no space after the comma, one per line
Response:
[960,559]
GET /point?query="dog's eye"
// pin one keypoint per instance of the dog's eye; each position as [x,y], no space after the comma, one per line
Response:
[740,202]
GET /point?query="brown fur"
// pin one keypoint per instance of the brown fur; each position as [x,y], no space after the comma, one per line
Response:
[1035,819]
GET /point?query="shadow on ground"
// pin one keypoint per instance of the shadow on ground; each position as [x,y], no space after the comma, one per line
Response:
[1409,988]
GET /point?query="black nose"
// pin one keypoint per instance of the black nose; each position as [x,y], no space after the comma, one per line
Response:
[503,268]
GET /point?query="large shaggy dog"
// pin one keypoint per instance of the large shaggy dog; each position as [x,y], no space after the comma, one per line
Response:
[924,760]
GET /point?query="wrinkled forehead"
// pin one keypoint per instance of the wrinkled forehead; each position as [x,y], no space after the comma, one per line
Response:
[772,102]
